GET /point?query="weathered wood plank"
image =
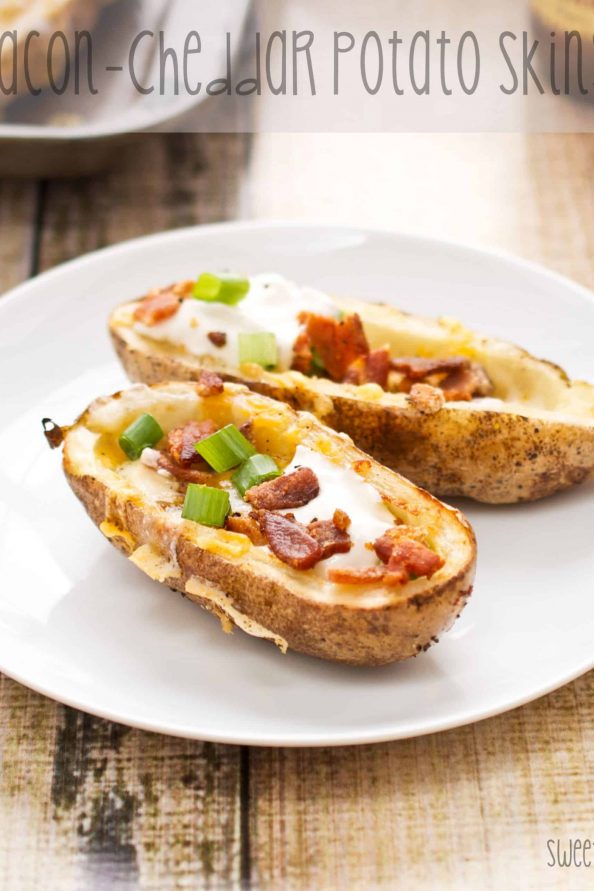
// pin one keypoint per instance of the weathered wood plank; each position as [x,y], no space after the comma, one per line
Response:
[18,211]
[162,183]
[472,808]
[88,803]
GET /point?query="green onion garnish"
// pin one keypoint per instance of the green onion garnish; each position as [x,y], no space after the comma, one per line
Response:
[206,505]
[259,348]
[220,288]
[225,449]
[254,471]
[143,433]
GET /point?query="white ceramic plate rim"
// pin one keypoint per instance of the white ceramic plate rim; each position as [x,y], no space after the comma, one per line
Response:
[341,737]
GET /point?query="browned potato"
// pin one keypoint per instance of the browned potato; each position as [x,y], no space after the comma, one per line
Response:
[139,510]
[533,436]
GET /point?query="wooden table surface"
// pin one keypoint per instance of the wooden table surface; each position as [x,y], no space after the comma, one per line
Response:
[85,803]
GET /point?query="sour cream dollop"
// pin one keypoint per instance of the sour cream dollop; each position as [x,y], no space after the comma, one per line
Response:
[340,488]
[272,304]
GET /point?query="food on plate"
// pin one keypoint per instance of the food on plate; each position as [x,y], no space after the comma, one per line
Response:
[457,413]
[269,519]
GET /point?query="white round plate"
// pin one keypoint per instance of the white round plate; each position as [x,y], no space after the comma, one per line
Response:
[81,624]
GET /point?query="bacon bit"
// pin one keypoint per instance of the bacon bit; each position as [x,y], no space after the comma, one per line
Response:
[464,383]
[426,399]
[209,384]
[344,576]
[331,539]
[288,540]
[246,429]
[341,520]
[218,338]
[404,557]
[415,559]
[461,379]
[246,526]
[401,553]
[302,354]
[338,344]
[370,369]
[184,473]
[377,366]
[416,368]
[157,307]
[184,289]
[292,490]
[181,440]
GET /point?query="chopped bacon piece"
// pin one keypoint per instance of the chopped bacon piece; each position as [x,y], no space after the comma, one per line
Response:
[461,379]
[185,473]
[246,429]
[337,343]
[426,399]
[342,349]
[247,526]
[180,458]
[291,490]
[181,440]
[403,553]
[341,520]
[185,288]
[209,384]
[342,575]
[417,369]
[404,557]
[383,546]
[379,574]
[331,539]
[217,338]
[157,307]
[302,354]
[370,369]
[377,366]
[464,383]
[289,540]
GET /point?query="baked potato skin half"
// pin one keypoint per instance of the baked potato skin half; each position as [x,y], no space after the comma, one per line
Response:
[491,456]
[354,628]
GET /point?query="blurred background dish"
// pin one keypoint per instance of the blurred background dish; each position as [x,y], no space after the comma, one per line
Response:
[75,124]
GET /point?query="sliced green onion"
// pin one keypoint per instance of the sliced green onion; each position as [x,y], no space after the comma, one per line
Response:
[143,433]
[259,348]
[254,471]
[220,288]
[206,505]
[225,449]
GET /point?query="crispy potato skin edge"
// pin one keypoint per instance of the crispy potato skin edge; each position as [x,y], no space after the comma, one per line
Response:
[353,635]
[490,457]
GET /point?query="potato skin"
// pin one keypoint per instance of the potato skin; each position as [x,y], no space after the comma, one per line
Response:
[489,456]
[401,627]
